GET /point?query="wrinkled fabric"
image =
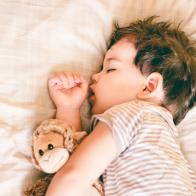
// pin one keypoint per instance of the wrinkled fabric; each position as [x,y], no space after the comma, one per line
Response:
[40,37]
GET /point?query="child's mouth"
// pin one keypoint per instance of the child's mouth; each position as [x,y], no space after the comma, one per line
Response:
[91,96]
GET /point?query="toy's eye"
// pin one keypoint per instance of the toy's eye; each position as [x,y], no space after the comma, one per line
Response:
[41,152]
[50,146]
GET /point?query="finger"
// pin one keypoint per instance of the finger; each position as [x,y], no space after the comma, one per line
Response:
[54,81]
[82,79]
[79,78]
[83,84]
[76,76]
[64,78]
[70,78]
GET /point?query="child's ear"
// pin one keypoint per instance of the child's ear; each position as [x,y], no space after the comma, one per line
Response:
[153,90]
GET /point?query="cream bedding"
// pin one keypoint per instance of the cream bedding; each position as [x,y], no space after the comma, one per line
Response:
[39,37]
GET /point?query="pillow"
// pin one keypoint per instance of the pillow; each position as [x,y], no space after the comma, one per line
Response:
[187,130]
[180,11]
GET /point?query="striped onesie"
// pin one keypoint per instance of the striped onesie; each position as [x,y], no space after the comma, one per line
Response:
[149,160]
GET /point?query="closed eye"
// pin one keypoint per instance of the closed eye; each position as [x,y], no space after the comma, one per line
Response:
[110,70]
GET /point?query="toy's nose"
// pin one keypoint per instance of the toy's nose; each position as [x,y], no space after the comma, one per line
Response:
[46,157]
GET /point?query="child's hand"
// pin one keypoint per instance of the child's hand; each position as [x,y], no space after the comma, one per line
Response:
[68,90]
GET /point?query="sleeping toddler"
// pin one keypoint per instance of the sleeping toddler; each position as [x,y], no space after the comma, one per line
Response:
[144,89]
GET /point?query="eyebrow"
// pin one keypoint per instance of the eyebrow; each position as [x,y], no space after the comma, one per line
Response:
[110,59]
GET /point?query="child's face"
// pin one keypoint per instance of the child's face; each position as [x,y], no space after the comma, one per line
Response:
[119,81]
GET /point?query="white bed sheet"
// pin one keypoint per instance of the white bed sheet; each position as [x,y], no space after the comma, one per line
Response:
[39,37]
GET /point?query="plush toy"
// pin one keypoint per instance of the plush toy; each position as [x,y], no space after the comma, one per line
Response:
[52,144]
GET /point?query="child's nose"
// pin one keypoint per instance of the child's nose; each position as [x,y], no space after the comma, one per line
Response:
[95,77]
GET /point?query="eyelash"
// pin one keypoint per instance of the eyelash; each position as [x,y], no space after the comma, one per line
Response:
[110,70]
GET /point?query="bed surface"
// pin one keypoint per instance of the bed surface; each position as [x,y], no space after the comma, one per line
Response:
[40,37]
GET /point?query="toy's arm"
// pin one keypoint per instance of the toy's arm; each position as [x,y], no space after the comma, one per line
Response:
[86,164]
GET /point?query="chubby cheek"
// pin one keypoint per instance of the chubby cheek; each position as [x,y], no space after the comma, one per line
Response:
[111,95]
[98,105]
[104,99]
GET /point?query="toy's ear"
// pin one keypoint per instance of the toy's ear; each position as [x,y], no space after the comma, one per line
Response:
[79,135]
[34,160]
[153,90]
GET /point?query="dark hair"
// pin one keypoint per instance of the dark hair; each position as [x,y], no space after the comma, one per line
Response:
[167,50]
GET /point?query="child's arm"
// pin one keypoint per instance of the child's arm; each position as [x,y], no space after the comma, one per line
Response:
[68,91]
[70,116]
[86,164]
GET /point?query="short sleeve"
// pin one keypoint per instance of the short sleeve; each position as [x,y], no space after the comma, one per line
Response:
[124,121]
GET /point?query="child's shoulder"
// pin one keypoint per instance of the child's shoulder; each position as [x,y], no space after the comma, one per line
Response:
[144,111]
[127,110]
[136,105]
[136,109]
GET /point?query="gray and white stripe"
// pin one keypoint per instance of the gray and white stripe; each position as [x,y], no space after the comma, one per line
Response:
[149,160]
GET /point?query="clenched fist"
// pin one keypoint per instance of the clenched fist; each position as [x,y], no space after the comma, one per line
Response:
[68,90]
